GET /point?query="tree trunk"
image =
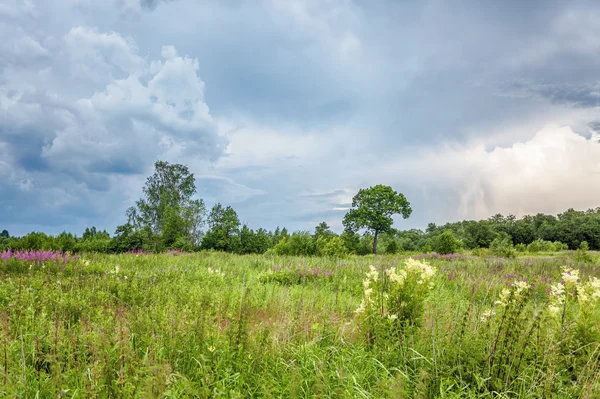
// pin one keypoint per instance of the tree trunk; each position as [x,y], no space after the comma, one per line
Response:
[375,242]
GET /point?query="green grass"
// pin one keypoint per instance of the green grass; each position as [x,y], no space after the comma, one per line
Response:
[219,325]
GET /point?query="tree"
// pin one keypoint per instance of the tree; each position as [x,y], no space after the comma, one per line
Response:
[323,229]
[373,208]
[247,240]
[167,207]
[223,234]
[5,234]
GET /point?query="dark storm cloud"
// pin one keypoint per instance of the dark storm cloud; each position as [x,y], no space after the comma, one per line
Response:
[268,101]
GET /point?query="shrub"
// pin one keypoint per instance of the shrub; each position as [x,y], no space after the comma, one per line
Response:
[560,246]
[503,247]
[334,247]
[582,254]
[391,247]
[447,243]
[298,244]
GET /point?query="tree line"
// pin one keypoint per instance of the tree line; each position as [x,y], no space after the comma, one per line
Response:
[170,217]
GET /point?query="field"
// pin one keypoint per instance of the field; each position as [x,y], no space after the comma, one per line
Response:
[217,325]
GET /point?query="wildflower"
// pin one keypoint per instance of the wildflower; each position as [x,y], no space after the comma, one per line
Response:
[589,293]
[570,276]
[504,295]
[373,274]
[211,349]
[557,299]
[392,316]
[396,277]
[361,308]
[366,283]
[553,310]
[520,286]
[487,314]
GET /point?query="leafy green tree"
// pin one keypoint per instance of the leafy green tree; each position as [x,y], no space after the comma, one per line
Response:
[224,226]
[373,208]
[262,241]
[5,234]
[350,240]
[127,238]
[168,206]
[324,230]
[248,243]
[480,234]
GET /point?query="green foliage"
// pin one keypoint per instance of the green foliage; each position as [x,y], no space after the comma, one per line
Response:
[168,209]
[391,247]
[224,234]
[334,247]
[582,255]
[373,208]
[224,325]
[365,245]
[546,246]
[503,247]
[447,243]
[298,244]
[427,248]
[521,247]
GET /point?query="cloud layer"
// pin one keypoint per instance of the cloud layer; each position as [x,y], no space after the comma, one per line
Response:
[284,109]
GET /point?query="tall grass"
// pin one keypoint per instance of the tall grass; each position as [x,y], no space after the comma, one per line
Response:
[220,325]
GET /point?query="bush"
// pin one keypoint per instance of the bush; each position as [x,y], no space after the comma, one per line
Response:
[503,247]
[335,247]
[182,244]
[391,247]
[560,246]
[298,244]
[521,247]
[535,246]
[582,255]
[447,243]
[546,246]
[480,252]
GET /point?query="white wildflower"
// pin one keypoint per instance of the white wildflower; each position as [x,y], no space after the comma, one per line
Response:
[487,314]
[570,276]
[588,294]
[361,308]
[373,274]
[520,286]
[504,295]
[366,283]
[553,310]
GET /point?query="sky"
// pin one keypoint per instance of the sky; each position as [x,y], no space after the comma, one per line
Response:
[284,109]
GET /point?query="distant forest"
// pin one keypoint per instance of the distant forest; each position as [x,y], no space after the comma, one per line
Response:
[169,218]
[567,230]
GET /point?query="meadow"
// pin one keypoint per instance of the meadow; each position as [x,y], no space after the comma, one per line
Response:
[201,325]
